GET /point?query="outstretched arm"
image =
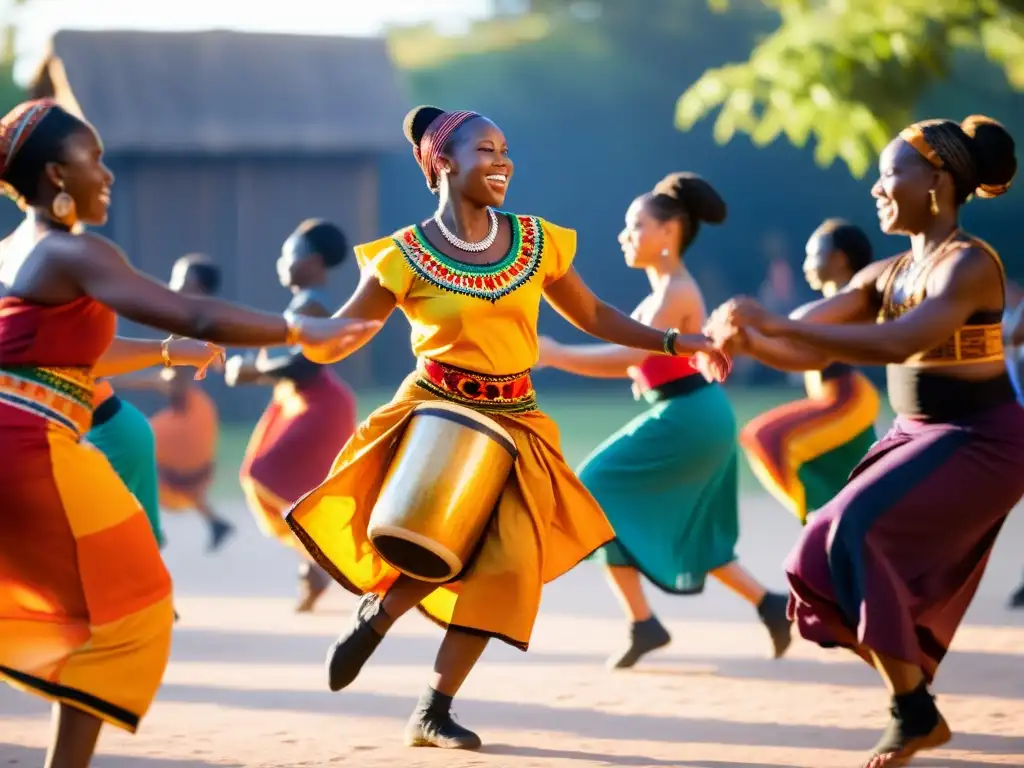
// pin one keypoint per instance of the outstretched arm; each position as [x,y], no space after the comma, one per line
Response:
[957,288]
[574,301]
[680,306]
[126,355]
[370,302]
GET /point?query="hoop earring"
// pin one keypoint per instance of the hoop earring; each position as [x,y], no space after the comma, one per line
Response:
[934,202]
[63,205]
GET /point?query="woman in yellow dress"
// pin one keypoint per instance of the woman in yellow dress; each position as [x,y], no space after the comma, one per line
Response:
[470,281]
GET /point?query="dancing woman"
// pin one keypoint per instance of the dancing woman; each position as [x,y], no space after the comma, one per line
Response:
[85,600]
[668,479]
[186,430]
[470,281]
[312,413]
[804,451]
[890,565]
[1013,337]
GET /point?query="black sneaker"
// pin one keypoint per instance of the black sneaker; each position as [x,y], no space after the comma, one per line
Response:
[428,729]
[220,530]
[644,637]
[1017,598]
[772,611]
[351,651]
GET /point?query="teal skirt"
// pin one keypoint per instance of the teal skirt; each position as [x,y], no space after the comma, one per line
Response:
[126,439]
[668,483]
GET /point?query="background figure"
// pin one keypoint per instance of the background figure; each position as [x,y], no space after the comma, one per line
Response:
[668,480]
[312,412]
[186,430]
[803,452]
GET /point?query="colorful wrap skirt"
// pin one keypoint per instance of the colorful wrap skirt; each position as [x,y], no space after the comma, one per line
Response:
[544,523]
[293,447]
[85,599]
[803,452]
[668,483]
[892,562]
[186,447]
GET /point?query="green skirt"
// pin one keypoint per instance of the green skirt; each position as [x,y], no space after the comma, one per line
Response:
[126,439]
[826,475]
[668,483]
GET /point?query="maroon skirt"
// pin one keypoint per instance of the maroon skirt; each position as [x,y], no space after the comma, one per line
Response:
[892,563]
[299,435]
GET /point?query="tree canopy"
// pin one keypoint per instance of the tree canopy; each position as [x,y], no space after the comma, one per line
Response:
[849,73]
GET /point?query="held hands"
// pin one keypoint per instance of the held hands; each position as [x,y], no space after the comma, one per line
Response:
[200,355]
[727,325]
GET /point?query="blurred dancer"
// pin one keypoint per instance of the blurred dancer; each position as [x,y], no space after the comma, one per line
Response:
[1013,335]
[85,599]
[889,566]
[804,451]
[312,413]
[187,430]
[668,479]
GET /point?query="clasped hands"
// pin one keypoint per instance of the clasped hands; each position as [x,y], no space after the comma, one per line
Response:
[726,329]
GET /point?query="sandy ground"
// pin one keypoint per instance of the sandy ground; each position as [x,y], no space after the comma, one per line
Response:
[246,685]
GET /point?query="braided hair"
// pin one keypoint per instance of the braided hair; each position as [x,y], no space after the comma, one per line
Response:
[979,153]
[850,239]
[32,135]
[689,198]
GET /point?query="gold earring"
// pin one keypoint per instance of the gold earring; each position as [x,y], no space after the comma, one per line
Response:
[63,205]
[934,202]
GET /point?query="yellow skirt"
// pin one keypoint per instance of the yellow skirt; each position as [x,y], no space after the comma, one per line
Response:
[545,523]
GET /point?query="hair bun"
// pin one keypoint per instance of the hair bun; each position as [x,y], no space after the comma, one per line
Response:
[695,195]
[994,152]
[417,121]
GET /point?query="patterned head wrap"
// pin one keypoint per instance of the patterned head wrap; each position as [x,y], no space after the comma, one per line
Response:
[15,129]
[437,134]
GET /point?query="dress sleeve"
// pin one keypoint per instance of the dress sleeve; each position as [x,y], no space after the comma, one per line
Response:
[559,250]
[385,261]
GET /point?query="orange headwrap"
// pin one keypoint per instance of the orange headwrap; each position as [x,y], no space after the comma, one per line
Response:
[15,128]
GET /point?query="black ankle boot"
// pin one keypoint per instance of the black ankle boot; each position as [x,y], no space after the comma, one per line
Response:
[1017,598]
[772,611]
[644,636]
[351,651]
[915,724]
[432,725]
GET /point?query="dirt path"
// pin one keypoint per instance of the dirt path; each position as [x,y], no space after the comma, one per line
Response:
[246,685]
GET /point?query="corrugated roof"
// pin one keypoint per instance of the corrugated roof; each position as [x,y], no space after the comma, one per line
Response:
[222,91]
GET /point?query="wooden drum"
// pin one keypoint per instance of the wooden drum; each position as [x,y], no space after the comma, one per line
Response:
[444,482]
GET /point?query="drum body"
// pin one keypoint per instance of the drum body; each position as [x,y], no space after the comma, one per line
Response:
[446,477]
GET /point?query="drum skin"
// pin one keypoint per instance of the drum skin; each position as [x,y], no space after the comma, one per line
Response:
[444,481]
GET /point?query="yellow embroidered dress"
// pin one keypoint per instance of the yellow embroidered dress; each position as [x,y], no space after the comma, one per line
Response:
[474,332]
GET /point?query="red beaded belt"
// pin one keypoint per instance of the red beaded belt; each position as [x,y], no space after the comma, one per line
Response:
[506,394]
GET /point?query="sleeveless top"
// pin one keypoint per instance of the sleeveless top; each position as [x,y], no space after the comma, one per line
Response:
[46,357]
[914,390]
